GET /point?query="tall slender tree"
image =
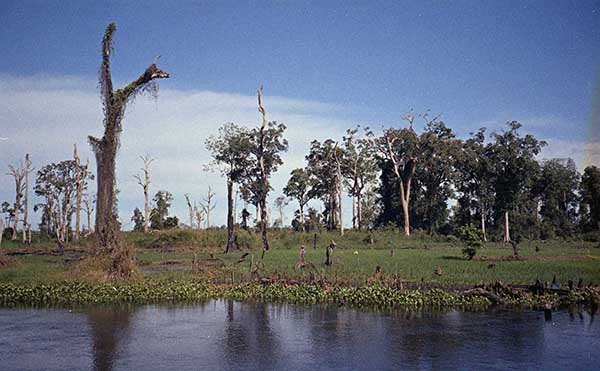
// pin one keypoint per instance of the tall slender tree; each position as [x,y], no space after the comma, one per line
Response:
[26,226]
[105,149]
[81,185]
[266,142]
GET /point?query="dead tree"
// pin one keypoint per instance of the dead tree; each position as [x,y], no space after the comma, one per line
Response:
[263,186]
[199,213]
[208,206]
[81,182]
[190,209]
[1,231]
[105,148]
[145,184]
[26,227]
[338,186]
[18,175]
[89,209]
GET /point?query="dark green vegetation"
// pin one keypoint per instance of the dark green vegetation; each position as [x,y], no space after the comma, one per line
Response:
[184,265]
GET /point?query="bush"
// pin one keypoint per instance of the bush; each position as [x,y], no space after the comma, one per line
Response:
[472,237]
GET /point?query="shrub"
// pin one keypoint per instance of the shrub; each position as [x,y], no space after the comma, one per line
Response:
[472,237]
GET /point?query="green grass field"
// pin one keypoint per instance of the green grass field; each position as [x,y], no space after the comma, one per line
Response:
[418,260]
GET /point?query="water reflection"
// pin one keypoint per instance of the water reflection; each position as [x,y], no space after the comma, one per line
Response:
[110,328]
[246,336]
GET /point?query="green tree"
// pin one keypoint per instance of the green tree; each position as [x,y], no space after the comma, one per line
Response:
[474,182]
[230,151]
[514,166]
[57,184]
[266,144]
[359,169]
[590,197]
[557,188]
[138,220]
[160,211]
[298,187]
[398,149]
[435,175]
[323,175]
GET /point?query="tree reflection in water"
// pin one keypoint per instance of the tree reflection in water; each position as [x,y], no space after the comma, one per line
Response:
[110,327]
[248,337]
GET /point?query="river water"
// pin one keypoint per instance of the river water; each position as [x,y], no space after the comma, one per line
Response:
[226,335]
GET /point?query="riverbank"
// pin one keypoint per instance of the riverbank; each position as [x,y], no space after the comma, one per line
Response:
[379,269]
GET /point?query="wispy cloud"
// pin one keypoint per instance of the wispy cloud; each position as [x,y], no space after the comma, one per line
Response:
[44,116]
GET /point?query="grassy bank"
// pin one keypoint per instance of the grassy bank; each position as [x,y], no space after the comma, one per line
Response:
[190,265]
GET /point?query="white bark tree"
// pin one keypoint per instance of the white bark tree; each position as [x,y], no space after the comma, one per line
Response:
[26,227]
[208,206]
[18,174]
[144,182]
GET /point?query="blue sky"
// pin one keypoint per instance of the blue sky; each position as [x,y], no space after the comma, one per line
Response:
[330,65]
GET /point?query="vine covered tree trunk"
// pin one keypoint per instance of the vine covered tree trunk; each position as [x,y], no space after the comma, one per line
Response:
[105,149]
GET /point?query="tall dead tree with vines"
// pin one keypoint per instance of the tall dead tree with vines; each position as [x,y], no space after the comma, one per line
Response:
[105,148]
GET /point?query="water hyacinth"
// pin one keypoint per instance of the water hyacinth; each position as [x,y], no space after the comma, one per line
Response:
[149,291]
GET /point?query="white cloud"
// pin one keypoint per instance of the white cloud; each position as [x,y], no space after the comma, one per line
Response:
[44,116]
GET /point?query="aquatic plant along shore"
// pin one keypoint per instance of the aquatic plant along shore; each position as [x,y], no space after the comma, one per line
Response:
[375,296]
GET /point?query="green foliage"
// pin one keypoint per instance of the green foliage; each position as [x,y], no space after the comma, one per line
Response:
[160,211]
[590,191]
[138,220]
[472,238]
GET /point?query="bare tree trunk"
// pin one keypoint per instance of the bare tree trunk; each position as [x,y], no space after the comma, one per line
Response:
[26,225]
[353,212]
[483,223]
[209,206]
[339,190]
[1,231]
[145,184]
[359,210]
[506,228]
[340,195]
[80,183]
[263,176]
[230,224]
[302,217]
[190,210]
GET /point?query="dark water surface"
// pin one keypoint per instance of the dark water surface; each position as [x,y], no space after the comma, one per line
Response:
[225,335]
